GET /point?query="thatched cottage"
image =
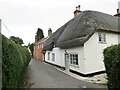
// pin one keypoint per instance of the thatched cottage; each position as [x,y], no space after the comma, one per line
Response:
[78,45]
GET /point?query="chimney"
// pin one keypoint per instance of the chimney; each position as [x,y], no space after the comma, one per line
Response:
[77,11]
[117,11]
[49,32]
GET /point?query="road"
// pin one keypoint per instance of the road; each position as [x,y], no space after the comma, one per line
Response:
[43,75]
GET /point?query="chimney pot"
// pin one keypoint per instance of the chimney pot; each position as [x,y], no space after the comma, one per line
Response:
[77,11]
[49,31]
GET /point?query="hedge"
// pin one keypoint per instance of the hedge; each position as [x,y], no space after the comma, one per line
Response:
[112,65]
[14,60]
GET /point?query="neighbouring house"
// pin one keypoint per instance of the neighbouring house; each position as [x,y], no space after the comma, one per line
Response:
[38,46]
[78,45]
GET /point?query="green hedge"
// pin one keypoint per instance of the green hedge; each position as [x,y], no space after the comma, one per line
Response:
[112,64]
[14,60]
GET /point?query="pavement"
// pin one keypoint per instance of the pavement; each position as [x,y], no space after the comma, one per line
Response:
[43,75]
[100,79]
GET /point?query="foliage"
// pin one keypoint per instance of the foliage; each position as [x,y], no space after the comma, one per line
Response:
[112,64]
[31,47]
[17,40]
[40,34]
[14,60]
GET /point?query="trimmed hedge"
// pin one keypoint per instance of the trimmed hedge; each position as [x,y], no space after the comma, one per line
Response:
[14,60]
[112,65]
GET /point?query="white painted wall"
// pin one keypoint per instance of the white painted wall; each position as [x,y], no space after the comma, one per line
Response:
[93,52]
[58,57]
[80,52]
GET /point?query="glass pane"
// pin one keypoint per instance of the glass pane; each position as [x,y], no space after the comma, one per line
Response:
[100,37]
[76,61]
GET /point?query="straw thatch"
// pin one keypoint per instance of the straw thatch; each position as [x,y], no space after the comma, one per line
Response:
[78,30]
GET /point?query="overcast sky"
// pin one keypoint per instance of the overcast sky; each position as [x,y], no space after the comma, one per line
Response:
[23,17]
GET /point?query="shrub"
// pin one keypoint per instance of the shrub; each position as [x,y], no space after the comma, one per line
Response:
[112,65]
[14,59]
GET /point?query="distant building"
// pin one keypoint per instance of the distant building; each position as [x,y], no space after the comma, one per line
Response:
[38,46]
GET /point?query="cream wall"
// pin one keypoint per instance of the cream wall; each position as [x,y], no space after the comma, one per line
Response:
[93,52]
[58,57]
[80,51]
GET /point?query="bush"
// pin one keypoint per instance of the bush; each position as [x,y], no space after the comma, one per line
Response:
[14,59]
[112,65]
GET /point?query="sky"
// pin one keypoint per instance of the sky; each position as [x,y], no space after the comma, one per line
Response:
[21,18]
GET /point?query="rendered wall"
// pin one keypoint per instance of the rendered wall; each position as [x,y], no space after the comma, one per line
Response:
[58,57]
[80,51]
[93,52]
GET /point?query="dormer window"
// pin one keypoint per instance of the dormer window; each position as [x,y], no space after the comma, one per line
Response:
[102,37]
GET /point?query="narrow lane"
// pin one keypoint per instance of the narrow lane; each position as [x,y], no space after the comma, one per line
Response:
[43,75]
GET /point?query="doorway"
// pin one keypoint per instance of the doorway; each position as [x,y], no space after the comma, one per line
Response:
[67,62]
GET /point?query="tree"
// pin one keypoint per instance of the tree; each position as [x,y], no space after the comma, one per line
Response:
[40,34]
[31,47]
[17,40]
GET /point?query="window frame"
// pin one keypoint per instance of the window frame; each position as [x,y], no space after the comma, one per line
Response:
[102,38]
[53,56]
[74,59]
[48,56]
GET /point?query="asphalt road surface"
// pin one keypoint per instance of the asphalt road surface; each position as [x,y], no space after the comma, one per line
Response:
[43,75]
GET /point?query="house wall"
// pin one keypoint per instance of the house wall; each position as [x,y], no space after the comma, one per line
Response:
[93,52]
[38,55]
[80,51]
[58,57]
[38,52]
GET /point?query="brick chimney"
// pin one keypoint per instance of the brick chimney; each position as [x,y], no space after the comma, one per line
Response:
[49,32]
[77,11]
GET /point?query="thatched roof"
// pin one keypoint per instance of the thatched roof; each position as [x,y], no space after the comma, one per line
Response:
[54,37]
[78,30]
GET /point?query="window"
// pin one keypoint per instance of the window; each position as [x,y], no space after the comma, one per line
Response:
[48,55]
[102,37]
[53,56]
[74,59]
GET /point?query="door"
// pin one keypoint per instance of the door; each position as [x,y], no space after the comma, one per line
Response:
[66,61]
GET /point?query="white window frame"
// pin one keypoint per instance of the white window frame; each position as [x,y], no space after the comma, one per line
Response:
[73,57]
[102,38]
[53,56]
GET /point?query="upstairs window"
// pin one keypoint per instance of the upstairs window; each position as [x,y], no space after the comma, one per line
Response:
[102,37]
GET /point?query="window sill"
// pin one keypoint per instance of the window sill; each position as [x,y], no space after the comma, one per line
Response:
[77,66]
[102,42]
